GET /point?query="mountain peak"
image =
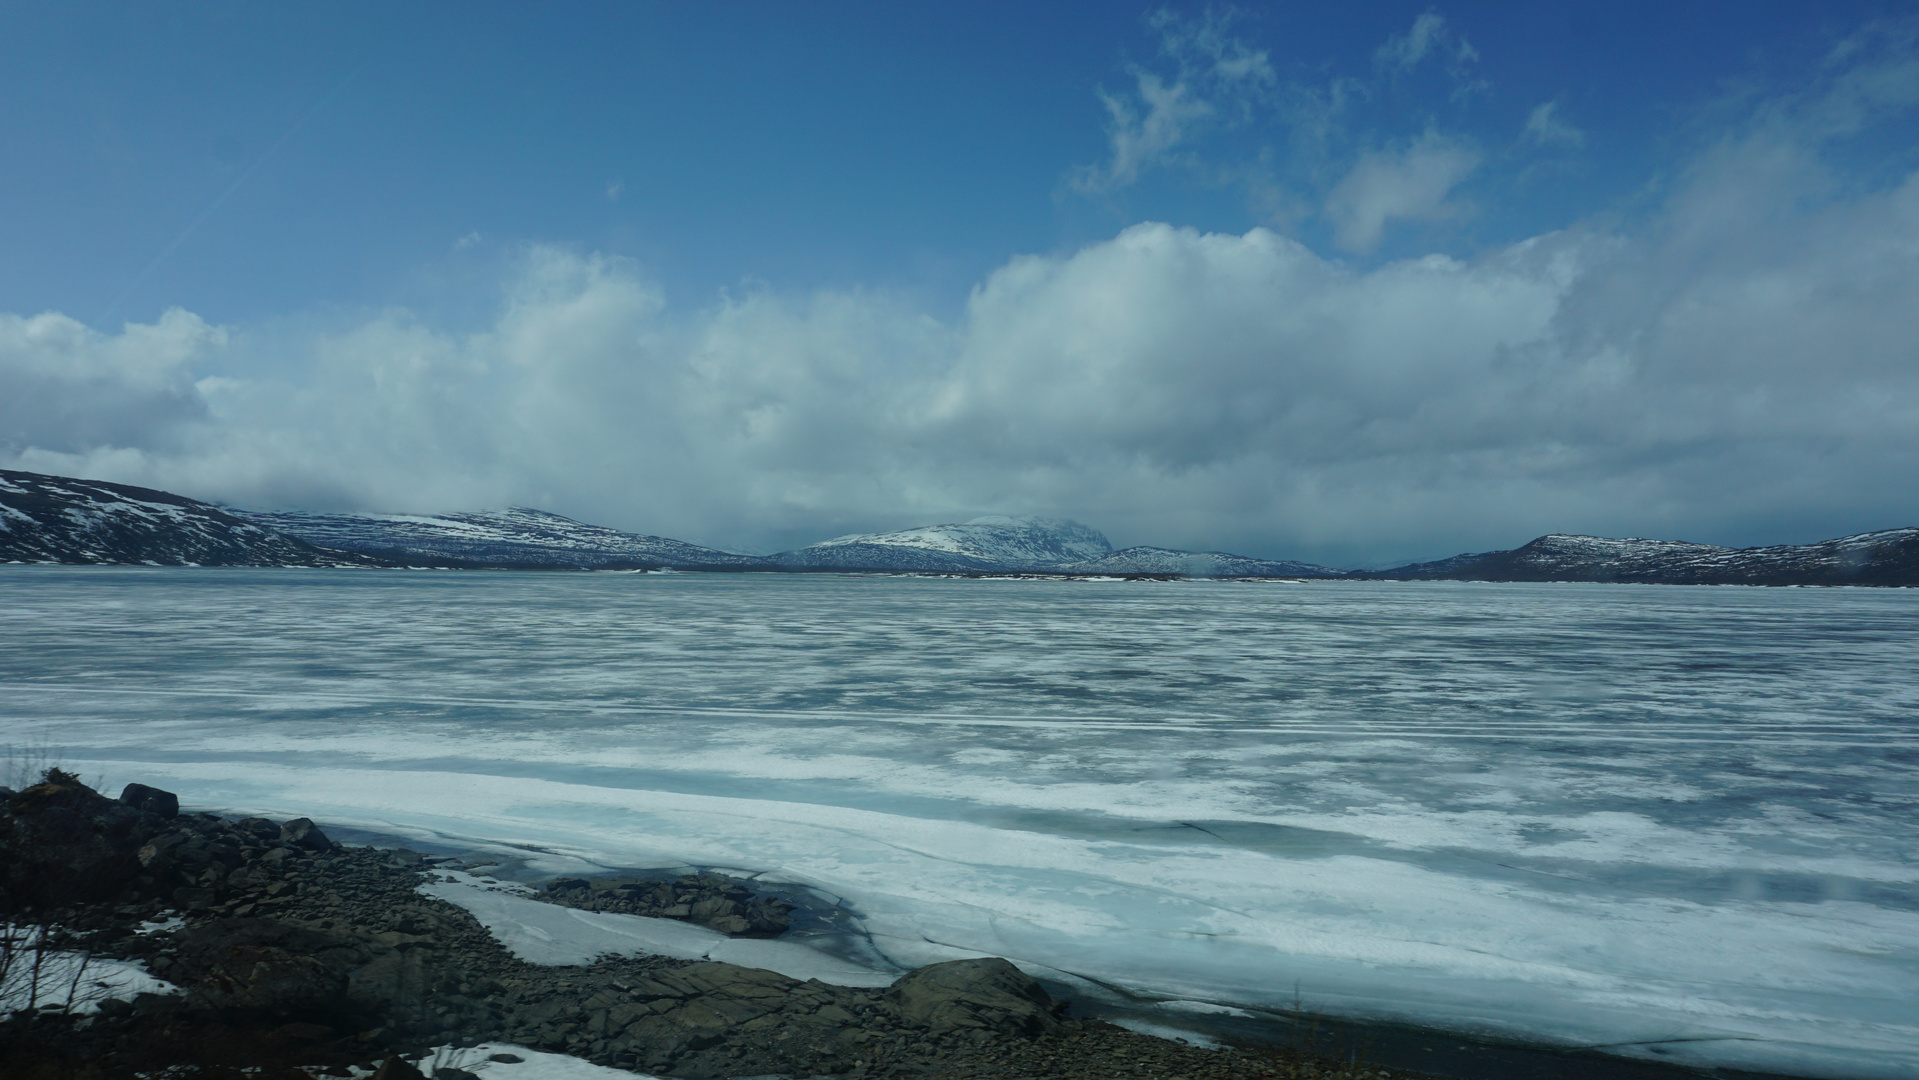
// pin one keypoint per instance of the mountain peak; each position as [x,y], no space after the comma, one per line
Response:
[990,543]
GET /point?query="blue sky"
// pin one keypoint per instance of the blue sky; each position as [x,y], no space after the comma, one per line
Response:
[1349,284]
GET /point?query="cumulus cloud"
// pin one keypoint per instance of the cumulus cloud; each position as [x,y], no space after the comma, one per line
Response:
[1737,368]
[65,387]
[1410,182]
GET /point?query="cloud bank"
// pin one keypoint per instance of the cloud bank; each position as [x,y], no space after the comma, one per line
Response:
[1737,367]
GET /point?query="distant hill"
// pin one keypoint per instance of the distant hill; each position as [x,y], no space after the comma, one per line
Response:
[514,537]
[1887,557]
[985,544]
[64,520]
[57,519]
[521,537]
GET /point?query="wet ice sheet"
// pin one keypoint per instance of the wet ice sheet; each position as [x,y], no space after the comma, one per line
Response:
[1670,817]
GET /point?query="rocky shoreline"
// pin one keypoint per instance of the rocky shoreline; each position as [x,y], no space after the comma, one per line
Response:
[296,956]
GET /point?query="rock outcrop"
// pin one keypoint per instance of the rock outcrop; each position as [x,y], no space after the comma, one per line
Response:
[711,900]
[63,844]
[975,995]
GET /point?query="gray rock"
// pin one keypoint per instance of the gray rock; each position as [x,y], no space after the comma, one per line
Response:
[984,995]
[192,898]
[273,979]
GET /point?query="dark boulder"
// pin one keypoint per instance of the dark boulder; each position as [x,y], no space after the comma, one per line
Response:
[269,965]
[990,995]
[713,900]
[151,799]
[193,898]
[303,833]
[63,843]
[397,1068]
[274,980]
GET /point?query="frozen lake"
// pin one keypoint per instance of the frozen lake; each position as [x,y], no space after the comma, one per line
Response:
[1676,821]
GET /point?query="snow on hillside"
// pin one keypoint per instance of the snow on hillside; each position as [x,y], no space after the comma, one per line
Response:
[515,536]
[1565,550]
[985,543]
[1885,557]
[58,519]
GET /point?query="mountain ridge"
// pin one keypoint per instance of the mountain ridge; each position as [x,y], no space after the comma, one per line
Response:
[58,519]
[52,519]
[985,544]
[1881,557]
[513,537]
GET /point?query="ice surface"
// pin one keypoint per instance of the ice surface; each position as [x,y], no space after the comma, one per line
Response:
[1674,821]
[543,933]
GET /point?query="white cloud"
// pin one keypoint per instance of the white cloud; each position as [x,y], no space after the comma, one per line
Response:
[1213,75]
[1429,36]
[65,387]
[1410,182]
[1206,49]
[1217,108]
[1545,127]
[1144,130]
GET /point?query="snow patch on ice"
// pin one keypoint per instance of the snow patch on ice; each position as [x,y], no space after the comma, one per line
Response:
[542,933]
[1165,1031]
[533,1064]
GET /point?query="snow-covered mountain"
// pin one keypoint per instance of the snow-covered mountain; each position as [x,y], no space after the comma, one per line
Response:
[1154,560]
[984,544]
[1886,557]
[59,519]
[514,537]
